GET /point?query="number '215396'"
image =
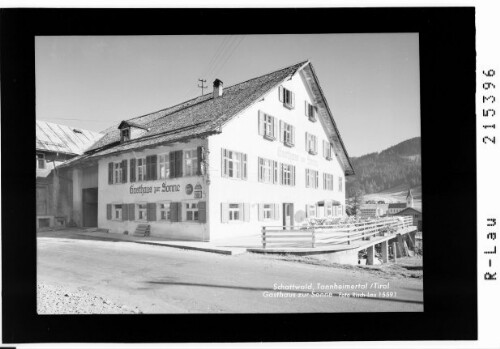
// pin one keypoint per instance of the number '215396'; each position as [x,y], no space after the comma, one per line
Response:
[488,100]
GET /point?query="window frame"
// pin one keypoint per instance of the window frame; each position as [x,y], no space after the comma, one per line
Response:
[115,210]
[188,209]
[311,112]
[235,163]
[141,167]
[267,168]
[231,211]
[269,124]
[288,98]
[41,157]
[194,162]
[165,163]
[168,216]
[311,178]
[287,174]
[328,182]
[287,134]
[117,173]
[340,185]
[311,143]
[125,137]
[139,209]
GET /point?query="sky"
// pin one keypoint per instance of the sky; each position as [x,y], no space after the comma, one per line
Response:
[371,81]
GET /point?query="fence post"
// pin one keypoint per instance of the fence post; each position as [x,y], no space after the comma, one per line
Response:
[313,238]
[263,237]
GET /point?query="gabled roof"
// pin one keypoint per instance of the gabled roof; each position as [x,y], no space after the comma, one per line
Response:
[408,209]
[127,123]
[205,115]
[57,138]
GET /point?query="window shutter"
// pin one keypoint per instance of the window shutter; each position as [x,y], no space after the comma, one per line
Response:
[224,212]
[275,171]
[293,99]
[124,212]
[262,129]
[293,135]
[276,213]
[261,212]
[131,212]
[246,212]
[173,212]
[148,168]
[178,163]
[281,174]
[275,128]
[281,130]
[199,151]
[110,173]
[151,211]
[307,138]
[108,211]
[243,166]
[171,160]
[132,170]
[280,93]
[124,171]
[306,107]
[324,150]
[307,211]
[202,211]
[293,175]
[179,211]
[154,168]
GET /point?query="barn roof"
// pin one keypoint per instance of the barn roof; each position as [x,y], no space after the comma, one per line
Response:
[205,115]
[57,138]
[398,205]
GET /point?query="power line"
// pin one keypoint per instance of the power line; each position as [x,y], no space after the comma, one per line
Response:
[203,87]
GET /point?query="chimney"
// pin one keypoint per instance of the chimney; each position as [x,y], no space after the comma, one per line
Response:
[217,88]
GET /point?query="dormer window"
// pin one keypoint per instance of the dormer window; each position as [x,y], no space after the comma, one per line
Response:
[125,134]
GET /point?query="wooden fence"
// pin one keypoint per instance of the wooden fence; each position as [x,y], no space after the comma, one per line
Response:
[341,233]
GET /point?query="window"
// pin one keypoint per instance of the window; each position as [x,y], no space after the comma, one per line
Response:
[287,134]
[40,161]
[164,210]
[190,162]
[268,212]
[329,209]
[327,150]
[311,178]
[117,212]
[311,211]
[327,181]
[234,164]
[125,134]
[235,212]
[268,126]
[311,112]
[164,166]
[191,211]
[287,97]
[268,171]
[142,212]
[287,174]
[141,169]
[340,184]
[311,144]
[117,172]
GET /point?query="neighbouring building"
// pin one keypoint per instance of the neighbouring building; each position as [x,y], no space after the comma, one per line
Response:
[416,215]
[265,151]
[373,209]
[409,198]
[56,144]
[396,207]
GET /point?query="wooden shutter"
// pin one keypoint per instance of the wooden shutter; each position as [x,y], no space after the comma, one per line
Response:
[151,211]
[179,212]
[306,105]
[280,93]
[293,175]
[275,171]
[275,128]
[178,163]
[110,173]
[243,166]
[202,211]
[132,170]
[262,129]
[307,138]
[224,210]
[281,173]
[246,212]
[293,99]
[108,211]
[199,154]
[124,171]
[276,213]
[131,212]
[171,164]
[261,212]
[282,126]
[307,211]
[173,212]
[124,212]
[153,168]
[223,170]
[293,135]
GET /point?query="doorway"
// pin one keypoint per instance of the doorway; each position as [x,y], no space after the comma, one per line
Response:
[288,214]
[89,206]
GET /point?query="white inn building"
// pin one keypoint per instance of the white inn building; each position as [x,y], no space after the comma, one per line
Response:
[262,152]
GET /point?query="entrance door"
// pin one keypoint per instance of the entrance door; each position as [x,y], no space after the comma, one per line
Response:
[89,206]
[288,214]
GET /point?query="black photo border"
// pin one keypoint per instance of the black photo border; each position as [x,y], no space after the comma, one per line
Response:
[447,80]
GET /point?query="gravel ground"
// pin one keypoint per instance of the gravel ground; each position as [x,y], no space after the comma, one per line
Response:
[53,299]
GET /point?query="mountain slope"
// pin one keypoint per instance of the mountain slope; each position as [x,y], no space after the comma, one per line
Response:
[399,165]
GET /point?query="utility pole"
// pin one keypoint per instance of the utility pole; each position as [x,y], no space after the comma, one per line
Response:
[202,87]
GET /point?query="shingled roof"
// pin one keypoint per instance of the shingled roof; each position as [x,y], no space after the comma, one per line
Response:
[197,117]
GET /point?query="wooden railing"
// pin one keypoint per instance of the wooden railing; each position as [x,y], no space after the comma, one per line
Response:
[340,233]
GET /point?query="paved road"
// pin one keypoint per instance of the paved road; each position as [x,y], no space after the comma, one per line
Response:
[163,280]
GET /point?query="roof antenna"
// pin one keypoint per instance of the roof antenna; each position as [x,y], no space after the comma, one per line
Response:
[202,86]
